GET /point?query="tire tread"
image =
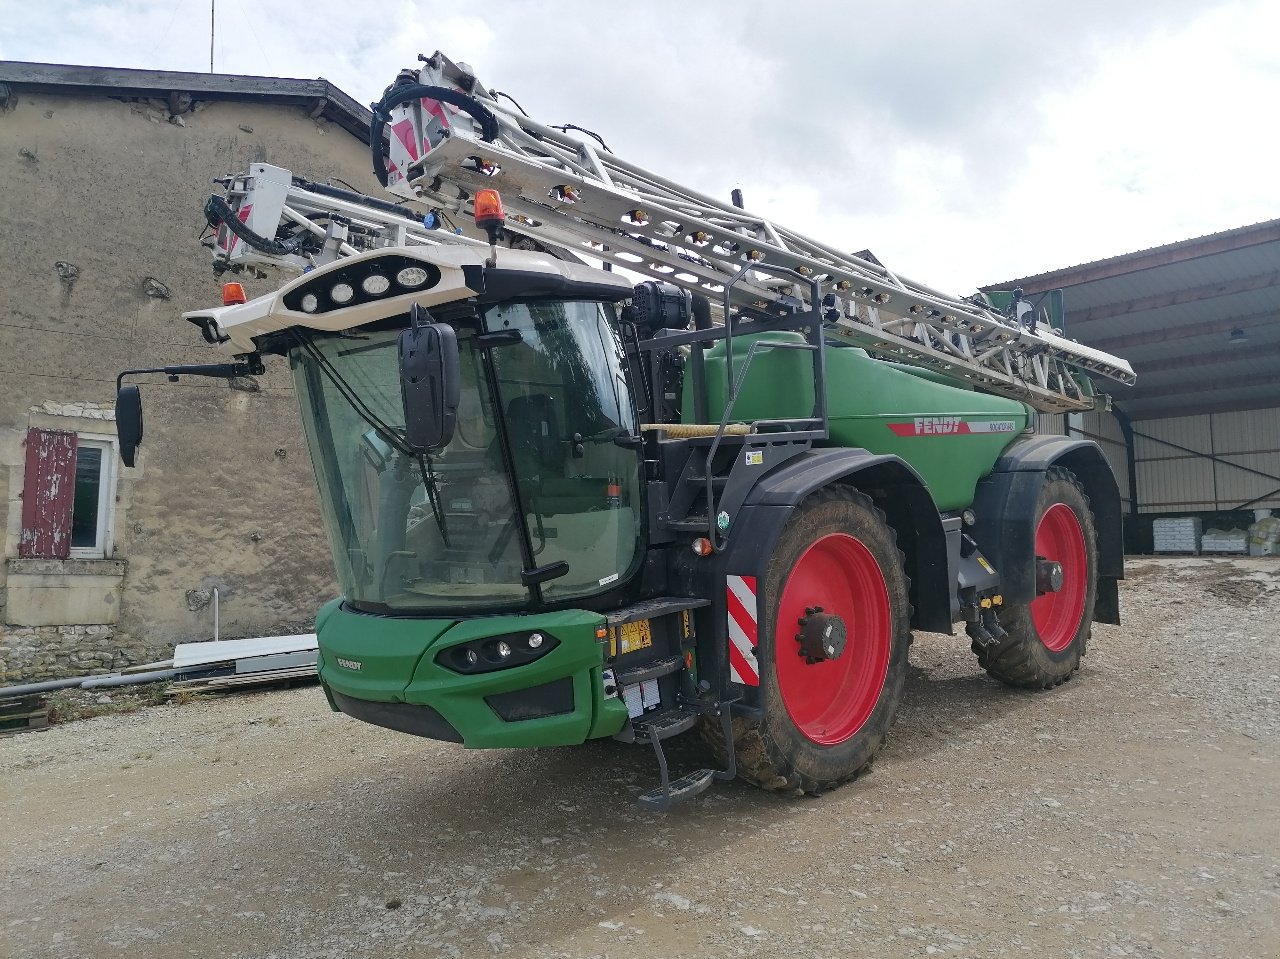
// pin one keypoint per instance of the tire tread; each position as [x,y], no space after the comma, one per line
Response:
[1015,660]
[758,762]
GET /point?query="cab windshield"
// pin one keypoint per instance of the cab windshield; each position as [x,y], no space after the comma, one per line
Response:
[531,477]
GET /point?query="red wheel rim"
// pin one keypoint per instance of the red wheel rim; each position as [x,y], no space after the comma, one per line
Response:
[1057,615]
[830,701]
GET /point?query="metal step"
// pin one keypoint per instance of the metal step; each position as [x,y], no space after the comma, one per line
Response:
[687,786]
[638,674]
[690,524]
[669,792]
[664,725]
[653,608]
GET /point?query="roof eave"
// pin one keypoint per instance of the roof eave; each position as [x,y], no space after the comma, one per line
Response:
[319,95]
[1224,242]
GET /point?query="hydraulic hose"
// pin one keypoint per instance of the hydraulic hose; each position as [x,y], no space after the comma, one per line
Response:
[416,91]
[219,213]
[351,196]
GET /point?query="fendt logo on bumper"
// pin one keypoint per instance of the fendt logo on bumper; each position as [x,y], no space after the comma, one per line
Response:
[950,426]
[350,663]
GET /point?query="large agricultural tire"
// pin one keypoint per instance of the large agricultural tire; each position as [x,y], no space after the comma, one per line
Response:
[1048,636]
[823,722]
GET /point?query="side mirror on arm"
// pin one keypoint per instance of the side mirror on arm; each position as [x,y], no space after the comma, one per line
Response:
[129,398]
[129,422]
[429,384]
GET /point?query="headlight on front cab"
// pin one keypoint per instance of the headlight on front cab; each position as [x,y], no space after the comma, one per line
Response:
[375,284]
[496,652]
[412,277]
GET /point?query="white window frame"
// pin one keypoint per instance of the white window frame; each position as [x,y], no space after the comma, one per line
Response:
[105,536]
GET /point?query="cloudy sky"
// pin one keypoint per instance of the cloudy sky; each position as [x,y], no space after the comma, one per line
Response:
[963,142]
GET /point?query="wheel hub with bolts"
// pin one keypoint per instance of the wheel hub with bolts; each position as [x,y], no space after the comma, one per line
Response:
[1048,576]
[822,635]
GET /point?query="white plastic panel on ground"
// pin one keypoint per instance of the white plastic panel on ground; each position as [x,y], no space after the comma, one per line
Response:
[227,650]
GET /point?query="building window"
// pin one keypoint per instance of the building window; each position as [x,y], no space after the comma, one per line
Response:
[68,495]
[91,509]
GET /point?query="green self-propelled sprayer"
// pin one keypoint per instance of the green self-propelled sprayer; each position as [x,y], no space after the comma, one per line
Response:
[564,505]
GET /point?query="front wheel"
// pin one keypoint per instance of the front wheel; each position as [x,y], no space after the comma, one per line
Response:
[833,647]
[1047,636]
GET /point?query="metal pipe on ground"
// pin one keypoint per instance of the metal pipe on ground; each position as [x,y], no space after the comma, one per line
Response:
[106,682]
[89,682]
[47,686]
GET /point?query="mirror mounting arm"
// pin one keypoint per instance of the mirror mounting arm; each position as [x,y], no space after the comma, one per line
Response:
[129,398]
[252,366]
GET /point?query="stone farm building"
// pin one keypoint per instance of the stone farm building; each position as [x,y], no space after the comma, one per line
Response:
[105,172]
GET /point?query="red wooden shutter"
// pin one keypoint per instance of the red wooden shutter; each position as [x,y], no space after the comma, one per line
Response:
[48,495]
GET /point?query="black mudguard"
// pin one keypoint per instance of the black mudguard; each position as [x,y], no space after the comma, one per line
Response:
[1005,508]
[897,490]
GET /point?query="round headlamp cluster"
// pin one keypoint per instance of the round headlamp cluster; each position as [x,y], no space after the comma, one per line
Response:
[375,284]
[412,277]
[343,291]
[498,652]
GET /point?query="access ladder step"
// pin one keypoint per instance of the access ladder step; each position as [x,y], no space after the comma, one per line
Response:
[690,524]
[678,790]
[639,674]
[663,725]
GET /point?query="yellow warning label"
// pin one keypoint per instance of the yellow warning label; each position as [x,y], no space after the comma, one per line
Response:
[982,561]
[633,637]
[755,457]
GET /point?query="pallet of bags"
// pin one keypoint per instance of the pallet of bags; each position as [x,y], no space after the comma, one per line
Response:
[1177,534]
[1264,534]
[1224,541]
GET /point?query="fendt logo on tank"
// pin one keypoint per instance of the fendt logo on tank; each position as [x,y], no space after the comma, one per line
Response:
[951,426]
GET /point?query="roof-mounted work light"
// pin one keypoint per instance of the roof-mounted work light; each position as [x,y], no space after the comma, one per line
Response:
[490,217]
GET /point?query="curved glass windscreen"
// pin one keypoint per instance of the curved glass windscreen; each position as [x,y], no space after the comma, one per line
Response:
[531,478]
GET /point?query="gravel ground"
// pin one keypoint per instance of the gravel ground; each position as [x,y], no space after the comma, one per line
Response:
[1131,812]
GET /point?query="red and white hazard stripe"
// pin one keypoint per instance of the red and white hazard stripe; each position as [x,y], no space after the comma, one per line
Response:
[743,617]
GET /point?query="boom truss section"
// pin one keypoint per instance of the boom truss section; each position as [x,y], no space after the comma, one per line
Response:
[448,136]
[567,193]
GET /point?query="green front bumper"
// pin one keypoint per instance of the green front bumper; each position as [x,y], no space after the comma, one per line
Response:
[384,670]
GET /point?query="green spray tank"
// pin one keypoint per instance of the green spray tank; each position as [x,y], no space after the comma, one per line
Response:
[950,433]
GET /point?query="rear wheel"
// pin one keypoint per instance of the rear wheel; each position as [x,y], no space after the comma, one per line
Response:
[1047,636]
[833,647]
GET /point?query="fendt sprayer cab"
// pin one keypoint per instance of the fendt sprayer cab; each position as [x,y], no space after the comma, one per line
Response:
[563,506]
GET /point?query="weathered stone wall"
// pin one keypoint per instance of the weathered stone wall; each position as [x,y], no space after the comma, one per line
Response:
[99,255]
[45,652]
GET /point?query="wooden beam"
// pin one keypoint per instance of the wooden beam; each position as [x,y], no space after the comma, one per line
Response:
[1157,301]
[1234,354]
[1238,239]
[1264,402]
[1193,390]
[1246,321]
